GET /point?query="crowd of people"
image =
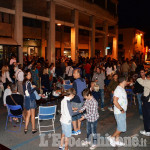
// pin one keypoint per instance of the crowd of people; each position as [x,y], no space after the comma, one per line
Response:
[91,79]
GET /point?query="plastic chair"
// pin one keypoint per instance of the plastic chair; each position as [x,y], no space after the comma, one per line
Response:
[13,107]
[67,82]
[66,87]
[47,113]
[129,95]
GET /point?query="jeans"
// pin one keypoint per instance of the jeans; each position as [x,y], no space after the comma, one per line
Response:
[91,131]
[140,103]
[102,97]
[111,98]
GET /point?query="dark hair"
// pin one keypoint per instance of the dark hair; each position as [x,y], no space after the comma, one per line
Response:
[20,66]
[25,75]
[71,91]
[148,74]
[115,74]
[78,71]
[13,87]
[121,79]
[8,84]
[52,64]
[86,92]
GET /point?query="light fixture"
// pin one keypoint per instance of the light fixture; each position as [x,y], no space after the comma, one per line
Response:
[141,34]
[58,24]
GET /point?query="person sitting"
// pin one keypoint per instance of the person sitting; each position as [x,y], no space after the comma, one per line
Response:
[15,99]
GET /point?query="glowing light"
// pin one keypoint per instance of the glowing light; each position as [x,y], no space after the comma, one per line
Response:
[58,24]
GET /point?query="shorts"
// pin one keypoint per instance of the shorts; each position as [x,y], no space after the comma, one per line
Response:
[76,105]
[66,129]
[121,122]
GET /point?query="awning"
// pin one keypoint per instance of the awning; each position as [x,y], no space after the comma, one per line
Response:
[7,41]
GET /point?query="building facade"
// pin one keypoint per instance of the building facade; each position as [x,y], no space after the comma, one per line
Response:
[130,43]
[51,28]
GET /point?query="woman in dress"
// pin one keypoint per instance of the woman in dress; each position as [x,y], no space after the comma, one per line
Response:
[30,101]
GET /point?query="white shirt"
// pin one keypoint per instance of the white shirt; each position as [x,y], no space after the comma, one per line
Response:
[4,76]
[123,102]
[65,115]
[69,71]
[19,75]
[53,72]
[109,71]
[7,92]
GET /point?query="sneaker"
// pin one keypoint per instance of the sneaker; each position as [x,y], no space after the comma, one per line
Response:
[102,109]
[85,143]
[93,146]
[79,132]
[141,117]
[112,141]
[74,132]
[119,143]
[145,133]
[110,109]
[113,144]
[108,138]
[61,148]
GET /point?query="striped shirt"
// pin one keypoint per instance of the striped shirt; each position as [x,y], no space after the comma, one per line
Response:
[91,107]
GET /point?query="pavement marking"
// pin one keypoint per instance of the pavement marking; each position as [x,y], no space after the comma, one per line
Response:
[28,141]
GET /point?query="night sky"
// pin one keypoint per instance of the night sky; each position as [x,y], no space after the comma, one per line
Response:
[135,13]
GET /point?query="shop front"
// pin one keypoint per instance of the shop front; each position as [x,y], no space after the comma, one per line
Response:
[31,47]
[8,47]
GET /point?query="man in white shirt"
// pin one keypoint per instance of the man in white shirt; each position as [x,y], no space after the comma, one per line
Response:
[120,108]
[19,75]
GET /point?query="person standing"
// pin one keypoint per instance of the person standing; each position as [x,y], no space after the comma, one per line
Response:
[19,75]
[87,68]
[111,87]
[92,115]
[146,104]
[29,103]
[79,85]
[138,90]
[5,76]
[66,118]
[99,77]
[125,69]
[120,108]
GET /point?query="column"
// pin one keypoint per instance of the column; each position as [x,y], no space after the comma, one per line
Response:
[115,44]
[62,41]
[105,4]
[18,28]
[51,34]
[43,39]
[105,38]
[74,36]
[92,35]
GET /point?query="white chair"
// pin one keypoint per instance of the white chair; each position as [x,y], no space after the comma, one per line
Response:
[46,113]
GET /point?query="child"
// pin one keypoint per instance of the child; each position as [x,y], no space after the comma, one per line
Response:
[6,93]
[95,91]
[66,118]
[92,115]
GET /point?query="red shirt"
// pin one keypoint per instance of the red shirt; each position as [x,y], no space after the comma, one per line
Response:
[87,68]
